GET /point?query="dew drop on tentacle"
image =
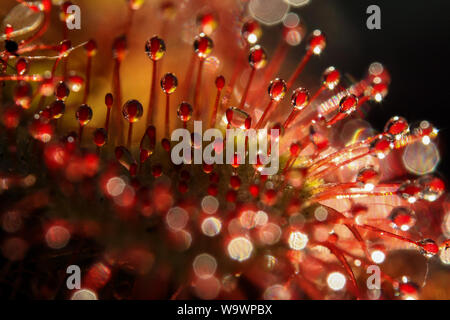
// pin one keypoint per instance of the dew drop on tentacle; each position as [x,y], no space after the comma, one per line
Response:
[277,89]
[402,218]
[120,47]
[155,48]
[63,47]
[75,82]
[203,46]
[348,104]
[207,23]
[62,91]
[251,31]
[220,82]
[169,83]
[316,42]
[148,143]
[432,187]
[397,127]
[410,191]
[300,98]
[84,114]
[381,146]
[91,48]
[257,57]
[57,109]
[428,247]
[22,66]
[368,177]
[100,137]
[331,78]
[378,92]
[132,110]
[184,112]
[109,100]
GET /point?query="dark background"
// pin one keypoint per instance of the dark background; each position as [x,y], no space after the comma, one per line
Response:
[413,44]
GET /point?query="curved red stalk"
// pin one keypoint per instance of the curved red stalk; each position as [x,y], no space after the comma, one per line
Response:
[212,122]
[299,69]
[340,256]
[80,134]
[41,30]
[188,77]
[198,85]
[337,166]
[294,113]
[88,79]
[247,88]
[152,94]
[264,115]
[130,135]
[167,122]
[387,233]
[117,120]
